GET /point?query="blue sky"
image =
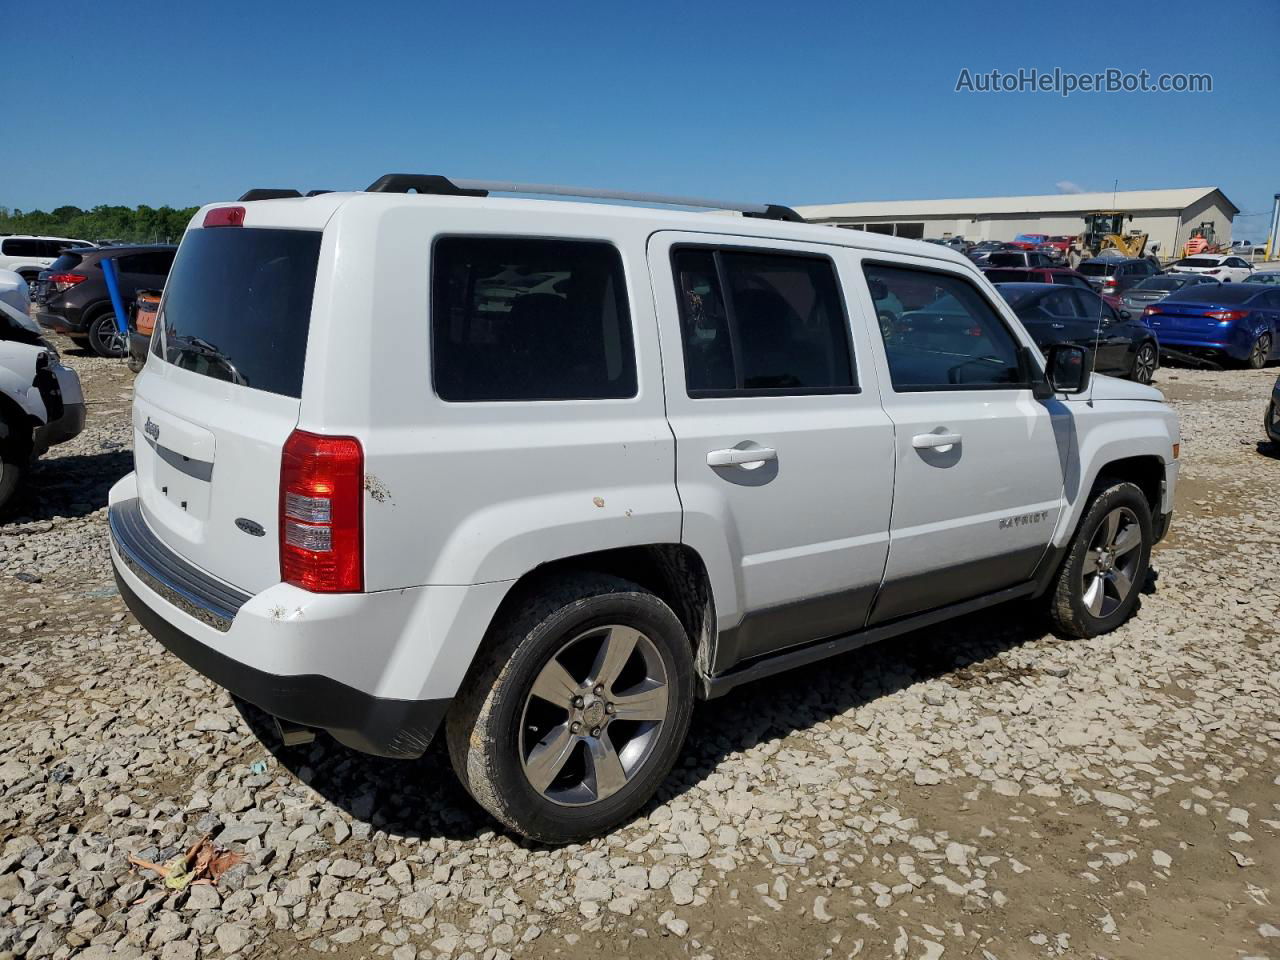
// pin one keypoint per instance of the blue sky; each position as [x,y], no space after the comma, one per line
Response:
[787,102]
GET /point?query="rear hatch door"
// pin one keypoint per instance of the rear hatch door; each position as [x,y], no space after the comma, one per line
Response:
[221,393]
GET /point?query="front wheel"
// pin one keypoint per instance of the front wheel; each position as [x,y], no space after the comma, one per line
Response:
[576,709]
[1097,587]
[1260,353]
[1144,364]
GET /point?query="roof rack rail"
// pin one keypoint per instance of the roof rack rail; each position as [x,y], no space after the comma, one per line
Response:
[436,184]
[266,193]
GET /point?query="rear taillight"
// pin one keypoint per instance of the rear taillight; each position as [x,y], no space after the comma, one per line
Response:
[1152,310]
[225,217]
[321,513]
[65,281]
[1226,316]
[1213,273]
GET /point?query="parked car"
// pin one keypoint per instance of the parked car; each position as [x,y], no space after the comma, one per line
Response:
[1019,258]
[979,252]
[1029,241]
[1239,321]
[1244,248]
[1060,275]
[1121,346]
[14,291]
[142,321]
[1264,276]
[71,296]
[1114,275]
[1271,421]
[27,256]
[1219,266]
[707,482]
[1154,289]
[41,403]
[955,243]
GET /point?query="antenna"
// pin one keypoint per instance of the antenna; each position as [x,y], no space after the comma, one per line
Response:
[1102,304]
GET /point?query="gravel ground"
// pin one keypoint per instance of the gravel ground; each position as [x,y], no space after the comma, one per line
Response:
[983,789]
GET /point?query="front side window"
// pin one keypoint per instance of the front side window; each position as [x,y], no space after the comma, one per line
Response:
[761,323]
[940,333]
[516,318]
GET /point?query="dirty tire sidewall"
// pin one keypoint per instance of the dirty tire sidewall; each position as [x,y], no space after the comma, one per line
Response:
[1260,353]
[484,724]
[1067,599]
[13,466]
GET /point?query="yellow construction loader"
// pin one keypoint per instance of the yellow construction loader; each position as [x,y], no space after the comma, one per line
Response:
[1104,230]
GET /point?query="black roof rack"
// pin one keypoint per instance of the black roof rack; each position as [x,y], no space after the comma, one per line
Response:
[445,186]
[432,183]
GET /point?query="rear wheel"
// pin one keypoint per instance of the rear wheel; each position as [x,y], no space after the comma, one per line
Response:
[1106,564]
[577,710]
[1144,364]
[1260,353]
[104,339]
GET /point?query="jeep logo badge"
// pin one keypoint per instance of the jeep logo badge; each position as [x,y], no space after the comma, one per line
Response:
[151,429]
[251,527]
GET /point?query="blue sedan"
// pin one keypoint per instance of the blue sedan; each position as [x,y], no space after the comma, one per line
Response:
[1240,321]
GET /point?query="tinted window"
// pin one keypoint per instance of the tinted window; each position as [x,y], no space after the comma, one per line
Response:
[1062,303]
[524,319]
[238,306]
[22,248]
[781,329]
[1008,275]
[154,264]
[940,333]
[68,261]
[1198,262]
[1096,269]
[1160,283]
[1216,293]
[1008,259]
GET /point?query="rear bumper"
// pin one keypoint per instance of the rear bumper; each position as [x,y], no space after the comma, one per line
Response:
[59,323]
[1232,342]
[241,642]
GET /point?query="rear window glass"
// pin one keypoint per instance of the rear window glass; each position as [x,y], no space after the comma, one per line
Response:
[1198,262]
[1216,293]
[1161,283]
[1008,276]
[1097,269]
[238,306]
[68,261]
[515,318]
[1007,260]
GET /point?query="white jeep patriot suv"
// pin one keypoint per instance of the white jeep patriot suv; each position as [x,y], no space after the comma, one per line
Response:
[541,473]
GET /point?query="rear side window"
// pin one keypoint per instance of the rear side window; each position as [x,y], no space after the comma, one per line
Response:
[155,264]
[68,261]
[940,333]
[237,306]
[514,318]
[761,323]
[22,248]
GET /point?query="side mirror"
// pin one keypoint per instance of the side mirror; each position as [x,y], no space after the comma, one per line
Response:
[1067,368]
[1126,315]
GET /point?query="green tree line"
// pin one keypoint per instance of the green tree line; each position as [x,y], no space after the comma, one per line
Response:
[141,224]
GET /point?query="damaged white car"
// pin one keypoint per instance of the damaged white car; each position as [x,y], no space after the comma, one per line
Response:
[41,402]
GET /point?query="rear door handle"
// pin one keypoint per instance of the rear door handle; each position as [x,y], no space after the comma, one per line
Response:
[942,442]
[740,456]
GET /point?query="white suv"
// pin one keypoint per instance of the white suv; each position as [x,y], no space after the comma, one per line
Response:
[27,256]
[546,472]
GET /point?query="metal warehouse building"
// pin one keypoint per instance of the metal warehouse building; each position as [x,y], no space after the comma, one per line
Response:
[1167,216]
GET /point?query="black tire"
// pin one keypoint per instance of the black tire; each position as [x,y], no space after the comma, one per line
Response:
[1260,353]
[104,339]
[487,723]
[15,457]
[1070,596]
[1145,361]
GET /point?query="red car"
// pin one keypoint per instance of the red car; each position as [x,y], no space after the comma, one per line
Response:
[1061,275]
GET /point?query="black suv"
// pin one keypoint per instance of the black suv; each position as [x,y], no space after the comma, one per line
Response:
[71,296]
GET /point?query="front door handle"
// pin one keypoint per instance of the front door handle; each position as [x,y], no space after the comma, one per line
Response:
[741,456]
[942,442]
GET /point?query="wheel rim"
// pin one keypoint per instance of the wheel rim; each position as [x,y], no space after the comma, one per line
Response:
[1145,365]
[1260,351]
[1111,563]
[593,716]
[106,338]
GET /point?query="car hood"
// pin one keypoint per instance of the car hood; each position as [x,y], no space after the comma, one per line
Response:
[1113,388]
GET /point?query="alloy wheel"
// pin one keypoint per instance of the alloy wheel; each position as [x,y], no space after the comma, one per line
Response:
[1144,365]
[1111,563]
[1261,352]
[593,715]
